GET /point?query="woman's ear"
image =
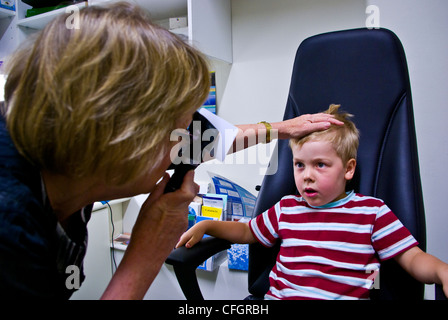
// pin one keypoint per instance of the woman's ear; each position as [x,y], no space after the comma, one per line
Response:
[350,169]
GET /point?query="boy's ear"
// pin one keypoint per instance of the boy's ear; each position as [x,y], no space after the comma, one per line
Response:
[350,169]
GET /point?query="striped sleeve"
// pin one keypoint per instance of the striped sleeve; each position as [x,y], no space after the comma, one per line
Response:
[390,237]
[265,226]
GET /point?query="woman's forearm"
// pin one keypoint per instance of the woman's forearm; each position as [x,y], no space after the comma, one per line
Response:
[138,269]
[160,223]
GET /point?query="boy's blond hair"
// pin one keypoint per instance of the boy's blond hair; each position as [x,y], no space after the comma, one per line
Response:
[344,138]
[104,97]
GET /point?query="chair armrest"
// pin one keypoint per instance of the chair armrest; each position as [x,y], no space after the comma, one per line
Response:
[185,261]
[439,293]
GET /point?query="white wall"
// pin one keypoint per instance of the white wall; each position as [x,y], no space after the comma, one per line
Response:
[266,35]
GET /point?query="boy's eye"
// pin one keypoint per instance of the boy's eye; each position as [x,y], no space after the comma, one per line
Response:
[321,165]
[299,164]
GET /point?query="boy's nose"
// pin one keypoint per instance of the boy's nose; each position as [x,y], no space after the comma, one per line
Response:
[307,174]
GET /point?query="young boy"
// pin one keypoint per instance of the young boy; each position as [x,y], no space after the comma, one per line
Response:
[330,239]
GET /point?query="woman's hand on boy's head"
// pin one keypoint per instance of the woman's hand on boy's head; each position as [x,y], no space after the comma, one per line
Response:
[304,124]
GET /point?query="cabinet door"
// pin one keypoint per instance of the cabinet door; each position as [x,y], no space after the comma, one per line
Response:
[97,263]
[210,27]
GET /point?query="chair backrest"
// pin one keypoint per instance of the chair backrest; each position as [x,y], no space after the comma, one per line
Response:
[366,72]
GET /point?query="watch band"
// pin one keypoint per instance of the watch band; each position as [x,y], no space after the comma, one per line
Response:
[268,130]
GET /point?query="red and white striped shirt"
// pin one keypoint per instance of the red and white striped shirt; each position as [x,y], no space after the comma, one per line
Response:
[329,252]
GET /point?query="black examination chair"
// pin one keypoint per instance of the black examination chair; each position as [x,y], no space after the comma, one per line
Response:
[366,72]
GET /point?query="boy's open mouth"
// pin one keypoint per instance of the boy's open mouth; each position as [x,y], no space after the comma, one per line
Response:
[310,192]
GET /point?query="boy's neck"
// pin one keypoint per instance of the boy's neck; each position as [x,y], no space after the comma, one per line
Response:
[336,202]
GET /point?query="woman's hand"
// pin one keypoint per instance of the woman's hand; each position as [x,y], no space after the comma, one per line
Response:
[169,210]
[304,124]
[161,221]
[251,134]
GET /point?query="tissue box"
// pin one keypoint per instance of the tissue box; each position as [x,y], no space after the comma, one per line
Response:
[8,4]
[238,257]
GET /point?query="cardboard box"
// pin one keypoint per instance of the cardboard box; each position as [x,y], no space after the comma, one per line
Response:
[195,207]
[215,205]
[212,212]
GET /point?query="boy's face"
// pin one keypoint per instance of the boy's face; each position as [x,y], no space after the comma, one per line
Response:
[319,173]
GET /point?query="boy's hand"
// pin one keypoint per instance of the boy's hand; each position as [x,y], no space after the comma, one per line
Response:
[424,267]
[191,236]
[443,275]
[233,231]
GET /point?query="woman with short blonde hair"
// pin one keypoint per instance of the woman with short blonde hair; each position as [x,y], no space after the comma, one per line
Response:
[104,96]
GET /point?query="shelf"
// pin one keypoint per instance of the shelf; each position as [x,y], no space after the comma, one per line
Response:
[209,21]
[164,9]
[98,205]
[41,20]
[159,9]
[5,13]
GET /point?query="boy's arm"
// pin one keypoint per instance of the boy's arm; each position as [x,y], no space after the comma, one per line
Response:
[232,231]
[424,267]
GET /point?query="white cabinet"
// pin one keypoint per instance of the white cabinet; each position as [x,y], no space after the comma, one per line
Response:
[209,23]
[7,32]
[4,13]
[39,21]
[210,27]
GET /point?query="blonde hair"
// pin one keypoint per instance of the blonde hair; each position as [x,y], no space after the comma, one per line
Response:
[103,97]
[344,138]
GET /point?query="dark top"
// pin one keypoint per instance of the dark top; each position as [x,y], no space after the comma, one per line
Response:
[35,251]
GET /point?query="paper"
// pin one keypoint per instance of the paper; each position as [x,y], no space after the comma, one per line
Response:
[121,241]
[226,136]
